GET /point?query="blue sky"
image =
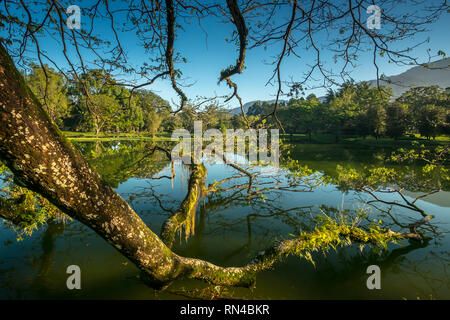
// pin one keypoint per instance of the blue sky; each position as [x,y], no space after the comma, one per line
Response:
[208,54]
[206,59]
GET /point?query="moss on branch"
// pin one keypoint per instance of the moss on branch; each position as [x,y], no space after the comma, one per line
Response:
[185,215]
[328,235]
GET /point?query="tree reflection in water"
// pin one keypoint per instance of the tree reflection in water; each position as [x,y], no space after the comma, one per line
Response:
[258,206]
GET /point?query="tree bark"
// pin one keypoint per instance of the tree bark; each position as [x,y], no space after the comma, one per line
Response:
[44,161]
[185,215]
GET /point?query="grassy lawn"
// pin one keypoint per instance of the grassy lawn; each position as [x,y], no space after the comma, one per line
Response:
[300,138]
[368,141]
[104,136]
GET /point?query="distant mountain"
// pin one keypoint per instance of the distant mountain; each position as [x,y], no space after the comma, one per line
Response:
[249,104]
[437,74]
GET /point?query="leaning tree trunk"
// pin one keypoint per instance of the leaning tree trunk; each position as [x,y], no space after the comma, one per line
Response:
[43,160]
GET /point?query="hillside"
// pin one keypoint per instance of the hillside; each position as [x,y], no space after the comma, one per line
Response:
[437,74]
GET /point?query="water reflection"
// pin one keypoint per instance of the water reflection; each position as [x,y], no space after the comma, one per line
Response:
[229,226]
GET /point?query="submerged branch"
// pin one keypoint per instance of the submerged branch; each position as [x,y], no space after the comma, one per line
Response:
[327,236]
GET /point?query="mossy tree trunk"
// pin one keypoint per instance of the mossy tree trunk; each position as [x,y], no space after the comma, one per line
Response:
[44,161]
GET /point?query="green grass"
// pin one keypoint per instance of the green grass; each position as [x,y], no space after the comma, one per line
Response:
[321,138]
[368,141]
[104,136]
[316,138]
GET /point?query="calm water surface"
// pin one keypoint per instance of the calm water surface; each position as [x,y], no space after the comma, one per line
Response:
[228,231]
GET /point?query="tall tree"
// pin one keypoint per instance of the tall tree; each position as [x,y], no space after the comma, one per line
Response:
[375,119]
[396,119]
[428,107]
[431,120]
[50,88]
[351,104]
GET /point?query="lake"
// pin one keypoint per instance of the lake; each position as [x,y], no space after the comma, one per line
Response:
[228,230]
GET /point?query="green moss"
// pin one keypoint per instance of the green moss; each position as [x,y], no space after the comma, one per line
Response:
[184,217]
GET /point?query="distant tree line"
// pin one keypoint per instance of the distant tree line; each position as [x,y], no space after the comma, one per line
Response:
[354,109]
[362,110]
[110,106]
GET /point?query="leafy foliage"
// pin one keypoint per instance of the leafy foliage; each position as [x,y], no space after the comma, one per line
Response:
[24,211]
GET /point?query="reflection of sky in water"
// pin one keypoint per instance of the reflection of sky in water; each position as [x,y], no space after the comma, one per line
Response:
[227,234]
[115,146]
[238,159]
